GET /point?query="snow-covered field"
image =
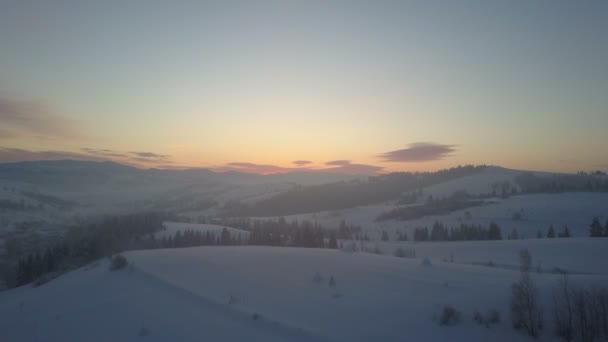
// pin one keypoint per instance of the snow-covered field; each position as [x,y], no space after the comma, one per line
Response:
[283,294]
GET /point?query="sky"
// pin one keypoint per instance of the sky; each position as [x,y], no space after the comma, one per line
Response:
[276,86]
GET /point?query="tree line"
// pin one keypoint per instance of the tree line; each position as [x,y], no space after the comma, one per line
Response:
[88,242]
[457,201]
[464,232]
[529,182]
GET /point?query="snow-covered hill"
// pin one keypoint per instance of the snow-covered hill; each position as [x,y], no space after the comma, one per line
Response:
[535,212]
[281,294]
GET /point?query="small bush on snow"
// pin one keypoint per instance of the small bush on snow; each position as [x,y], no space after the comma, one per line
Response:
[449,316]
[118,262]
[491,317]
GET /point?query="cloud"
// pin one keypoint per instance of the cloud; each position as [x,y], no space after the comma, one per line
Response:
[355,169]
[419,152]
[253,168]
[11,155]
[301,162]
[149,157]
[104,152]
[340,162]
[33,118]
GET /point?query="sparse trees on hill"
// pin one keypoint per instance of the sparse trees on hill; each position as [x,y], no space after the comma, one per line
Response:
[464,232]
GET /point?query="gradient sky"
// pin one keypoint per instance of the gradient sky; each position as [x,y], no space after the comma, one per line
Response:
[365,86]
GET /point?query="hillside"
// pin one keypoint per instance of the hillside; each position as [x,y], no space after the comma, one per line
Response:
[280,294]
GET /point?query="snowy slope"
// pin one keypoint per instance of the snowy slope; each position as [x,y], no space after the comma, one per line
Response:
[539,211]
[480,183]
[574,255]
[213,293]
[95,304]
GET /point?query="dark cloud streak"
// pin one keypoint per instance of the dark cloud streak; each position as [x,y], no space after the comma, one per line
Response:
[419,152]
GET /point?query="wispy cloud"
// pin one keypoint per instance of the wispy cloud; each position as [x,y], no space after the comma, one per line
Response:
[9,155]
[341,162]
[253,168]
[419,152]
[356,169]
[302,162]
[149,157]
[104,152]
[33,119]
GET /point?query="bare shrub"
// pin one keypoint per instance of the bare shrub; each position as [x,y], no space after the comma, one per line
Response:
[118,262]
[580,314]
[526,312]
[491,317]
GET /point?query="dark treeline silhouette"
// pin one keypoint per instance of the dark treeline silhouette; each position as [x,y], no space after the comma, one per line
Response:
[432,207]
[15,205]
[342,195]
[191,238]
[531,183]
[596,229]
[279,232]
[88,242]
[464,232]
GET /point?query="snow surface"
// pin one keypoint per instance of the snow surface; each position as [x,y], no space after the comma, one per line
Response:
[214,293]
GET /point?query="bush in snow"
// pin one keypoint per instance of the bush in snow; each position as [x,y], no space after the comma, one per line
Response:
[491,317]
[449,316]
[525,309]
[143,332]
[118,262]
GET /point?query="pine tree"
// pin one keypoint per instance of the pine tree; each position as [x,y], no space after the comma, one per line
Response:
[333,242]
[332,282]
[551,232]
[384,235]
[539,235]
[595,228]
